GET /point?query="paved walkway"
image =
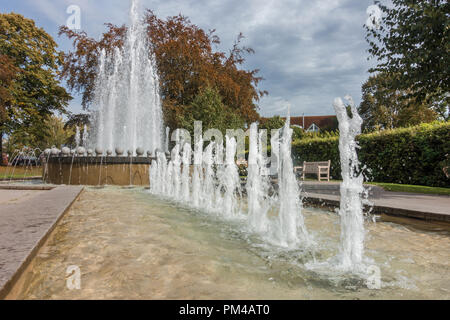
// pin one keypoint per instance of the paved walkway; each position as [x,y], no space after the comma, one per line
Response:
[414,205]
[27,217]
[11,196]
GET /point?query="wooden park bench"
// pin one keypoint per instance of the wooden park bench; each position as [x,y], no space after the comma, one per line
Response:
[320,168]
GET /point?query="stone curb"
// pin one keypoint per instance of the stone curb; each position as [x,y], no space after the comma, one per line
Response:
[8,284]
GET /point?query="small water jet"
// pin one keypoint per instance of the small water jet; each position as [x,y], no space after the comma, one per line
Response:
[77,137]
[85,136]
[290,230]
[229,180]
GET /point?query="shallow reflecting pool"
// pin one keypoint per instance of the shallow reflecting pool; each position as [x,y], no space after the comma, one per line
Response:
[131,245]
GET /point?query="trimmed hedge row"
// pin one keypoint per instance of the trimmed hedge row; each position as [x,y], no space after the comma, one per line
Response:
[414,155]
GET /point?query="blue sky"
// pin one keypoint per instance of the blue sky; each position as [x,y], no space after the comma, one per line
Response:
[309,52]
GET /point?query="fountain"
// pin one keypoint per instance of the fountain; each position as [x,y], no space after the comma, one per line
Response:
[127,117]
[215,186]
[24,165]
[255,231]
[274,210]
[198,203]
[127,102]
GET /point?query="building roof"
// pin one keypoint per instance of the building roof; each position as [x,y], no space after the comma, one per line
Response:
[320,121]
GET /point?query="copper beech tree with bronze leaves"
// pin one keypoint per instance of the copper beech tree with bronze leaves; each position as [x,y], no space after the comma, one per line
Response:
[187,65]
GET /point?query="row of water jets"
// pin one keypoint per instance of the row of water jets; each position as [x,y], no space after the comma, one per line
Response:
[212,184]
[27,159]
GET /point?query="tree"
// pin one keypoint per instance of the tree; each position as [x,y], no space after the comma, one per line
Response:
[382,107]
[269,124]
[186,61]
[274,122]
[56,134]
[412,46]
[33,63]
[77,119]
[80,66]
[8,73]
[207,107]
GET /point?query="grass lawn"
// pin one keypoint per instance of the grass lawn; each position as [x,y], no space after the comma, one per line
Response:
[19,172]
[411,188]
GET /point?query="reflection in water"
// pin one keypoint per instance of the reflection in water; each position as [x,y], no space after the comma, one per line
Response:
[132,245]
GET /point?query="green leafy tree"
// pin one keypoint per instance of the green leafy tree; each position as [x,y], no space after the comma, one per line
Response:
[274,122]
[208,107]
[297,132]
[384,108]
[412,45]
[8,73]
[34,92]
[77,119]
[56,133]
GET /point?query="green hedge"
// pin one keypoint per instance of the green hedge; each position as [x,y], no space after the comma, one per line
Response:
[414,155]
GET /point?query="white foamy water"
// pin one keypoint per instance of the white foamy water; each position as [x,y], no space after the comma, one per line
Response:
[126,101]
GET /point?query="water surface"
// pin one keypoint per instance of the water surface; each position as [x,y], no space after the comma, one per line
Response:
[129,244]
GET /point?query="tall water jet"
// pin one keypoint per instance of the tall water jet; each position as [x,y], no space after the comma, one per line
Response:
[290,229]
[351,207]
[229,179]
[185,173]
[126,96]
[166,140]
[176,172]
[257,186]
[218,160]
[162,166]
[209,180]
[197,175]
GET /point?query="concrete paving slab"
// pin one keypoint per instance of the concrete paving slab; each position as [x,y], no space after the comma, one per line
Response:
[25,225]
[11,196]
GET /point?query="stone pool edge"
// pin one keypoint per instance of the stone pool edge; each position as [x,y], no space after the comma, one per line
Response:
[75,193]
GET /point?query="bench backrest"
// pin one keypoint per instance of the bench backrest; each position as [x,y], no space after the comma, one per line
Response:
[312,167]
